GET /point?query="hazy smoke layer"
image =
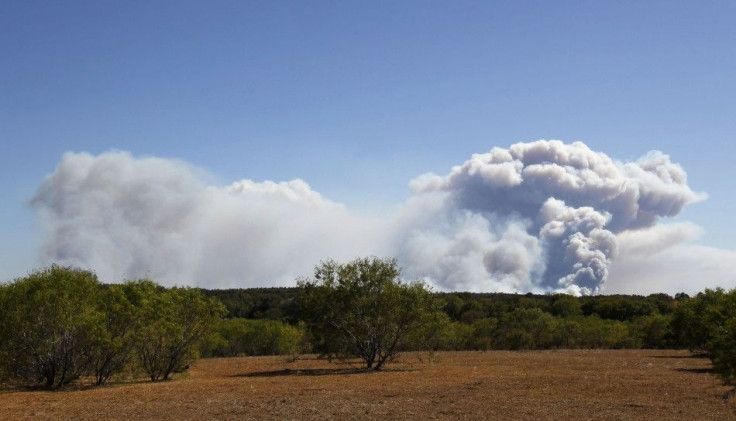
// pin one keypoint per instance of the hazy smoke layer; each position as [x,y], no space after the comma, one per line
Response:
[541,216]
[665,259]
[128,218]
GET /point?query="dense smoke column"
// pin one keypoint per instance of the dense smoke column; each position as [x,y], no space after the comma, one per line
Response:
[579,248]
[572,200]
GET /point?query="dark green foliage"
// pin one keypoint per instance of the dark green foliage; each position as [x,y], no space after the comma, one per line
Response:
[695,320]
[454,307]
[563,305]
[707,322]
[472,311]
[258,303]
[238,337]
[620,308]
[579,322]
[449,336]
[664,303]
[362,309]
[524,328]
[483,333]
[652,331]
[723,350]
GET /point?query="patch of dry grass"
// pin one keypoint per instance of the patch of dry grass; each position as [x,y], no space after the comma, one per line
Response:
[580,384]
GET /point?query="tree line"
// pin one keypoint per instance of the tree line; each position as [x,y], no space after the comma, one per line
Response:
[61,324]
[484,321]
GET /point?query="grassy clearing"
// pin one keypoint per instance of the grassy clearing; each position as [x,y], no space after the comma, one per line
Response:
[579,384]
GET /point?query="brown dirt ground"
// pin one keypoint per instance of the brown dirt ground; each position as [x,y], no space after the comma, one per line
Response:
[580,384]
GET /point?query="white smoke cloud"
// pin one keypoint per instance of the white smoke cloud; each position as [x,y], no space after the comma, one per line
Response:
[455,249]
[540,216]
[129,217]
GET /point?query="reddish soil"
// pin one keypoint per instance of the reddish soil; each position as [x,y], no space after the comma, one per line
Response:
[554,385]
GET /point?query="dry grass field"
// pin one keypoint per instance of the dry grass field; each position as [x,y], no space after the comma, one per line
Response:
[600,384]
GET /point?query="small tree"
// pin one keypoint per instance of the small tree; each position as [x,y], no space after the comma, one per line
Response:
[696,320]
[49,321]
[115,339]
[722,343]
[172,325]
[723,351]
[362,309]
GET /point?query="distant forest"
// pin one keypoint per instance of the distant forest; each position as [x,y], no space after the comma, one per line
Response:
[481,321]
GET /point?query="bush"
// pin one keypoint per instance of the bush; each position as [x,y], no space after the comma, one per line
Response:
[59,324]
[114,341]
[362,309]
[172,325]
[525,328]
[50,319]
[483,332]
[697,319]
[652,331]
[722,349]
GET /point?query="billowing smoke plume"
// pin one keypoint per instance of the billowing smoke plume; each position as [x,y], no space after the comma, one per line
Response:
[549,213]
[541,216]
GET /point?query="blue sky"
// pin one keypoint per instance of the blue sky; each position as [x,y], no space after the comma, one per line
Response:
[358,98]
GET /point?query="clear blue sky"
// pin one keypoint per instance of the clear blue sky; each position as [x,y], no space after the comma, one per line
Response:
[358,98]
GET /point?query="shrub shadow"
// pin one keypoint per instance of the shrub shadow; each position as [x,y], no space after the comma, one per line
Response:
[697,355]
[306,372]
[696,370]
[78,387]
[313,372]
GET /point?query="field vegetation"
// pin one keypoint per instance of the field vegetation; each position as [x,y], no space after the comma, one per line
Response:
[60,324]
[61,327]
